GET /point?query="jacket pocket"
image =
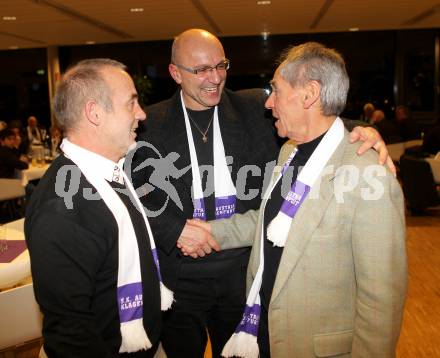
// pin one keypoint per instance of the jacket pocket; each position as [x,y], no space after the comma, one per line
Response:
[332,344]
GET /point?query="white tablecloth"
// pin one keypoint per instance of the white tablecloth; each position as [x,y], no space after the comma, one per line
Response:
[19,269]
[435,167]
[32,173]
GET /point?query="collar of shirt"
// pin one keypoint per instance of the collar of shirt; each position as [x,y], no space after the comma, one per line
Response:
[110,170]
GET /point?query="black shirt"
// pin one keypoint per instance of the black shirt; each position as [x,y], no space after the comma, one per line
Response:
[205,157]
[272,254]
[205,153]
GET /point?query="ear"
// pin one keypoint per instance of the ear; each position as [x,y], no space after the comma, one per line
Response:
[175,73]
[92,112]
[311,94]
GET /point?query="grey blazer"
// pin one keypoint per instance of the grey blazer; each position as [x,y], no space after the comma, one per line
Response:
[341,283]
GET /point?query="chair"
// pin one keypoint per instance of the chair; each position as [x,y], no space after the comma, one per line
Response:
[21,320]
[396,150]
[10,191]
[418,183]
[413,143]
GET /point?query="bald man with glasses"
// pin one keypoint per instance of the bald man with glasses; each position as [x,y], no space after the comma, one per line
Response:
[227,134]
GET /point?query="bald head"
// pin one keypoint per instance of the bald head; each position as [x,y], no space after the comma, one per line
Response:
[193,39]
[198,65]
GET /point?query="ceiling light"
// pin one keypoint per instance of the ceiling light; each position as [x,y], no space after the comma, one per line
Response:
[13,47]
[263,2]
[90,42]
[137,9]
[353,29]
[9,18]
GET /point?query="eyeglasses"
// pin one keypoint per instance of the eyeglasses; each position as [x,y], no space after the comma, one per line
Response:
[204,70]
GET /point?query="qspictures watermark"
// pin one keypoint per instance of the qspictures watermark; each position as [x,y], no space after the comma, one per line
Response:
[345,180]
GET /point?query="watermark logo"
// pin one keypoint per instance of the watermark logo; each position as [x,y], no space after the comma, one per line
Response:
[163,170]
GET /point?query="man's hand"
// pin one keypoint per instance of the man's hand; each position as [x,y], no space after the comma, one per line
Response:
[196,242]
[372,139]
[201,224]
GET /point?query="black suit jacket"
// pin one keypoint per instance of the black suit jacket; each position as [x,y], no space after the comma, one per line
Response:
[248,136]
[74,261]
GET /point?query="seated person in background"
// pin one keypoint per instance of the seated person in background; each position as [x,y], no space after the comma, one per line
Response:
[368,111]
[17,139]
[56,136]
[9,158]
[431,141]
[33,131]
[21,140]
[405,124]
[387,129]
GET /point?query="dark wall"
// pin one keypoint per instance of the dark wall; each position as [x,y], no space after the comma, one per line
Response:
[386,68]
[23,85]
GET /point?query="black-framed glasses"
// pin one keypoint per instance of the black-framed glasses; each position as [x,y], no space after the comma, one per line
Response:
[222,66]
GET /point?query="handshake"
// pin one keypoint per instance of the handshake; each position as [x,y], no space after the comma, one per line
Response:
[196,239]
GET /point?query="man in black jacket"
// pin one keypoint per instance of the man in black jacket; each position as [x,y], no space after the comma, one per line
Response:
[178,137]
[92,252]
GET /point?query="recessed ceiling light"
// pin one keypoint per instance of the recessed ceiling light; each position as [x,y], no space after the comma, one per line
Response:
[353,29]
[13,47]
[137,9]
[263,2]
[90,42]
[265,35]
[9,18]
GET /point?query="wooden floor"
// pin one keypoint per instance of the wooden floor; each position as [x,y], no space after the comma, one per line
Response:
[420,336]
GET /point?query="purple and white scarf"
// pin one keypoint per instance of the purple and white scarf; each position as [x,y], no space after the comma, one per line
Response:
[243,343]
[225,192]
[129,285]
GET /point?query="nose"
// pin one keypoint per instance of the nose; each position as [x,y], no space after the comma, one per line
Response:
[269,102]
[140,114]
[214,76]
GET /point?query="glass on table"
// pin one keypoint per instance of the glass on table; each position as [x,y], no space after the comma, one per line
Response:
[3,239]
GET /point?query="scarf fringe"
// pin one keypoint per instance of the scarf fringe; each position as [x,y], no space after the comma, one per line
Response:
[166,297]
[241,344]
[134,337]
[278,229]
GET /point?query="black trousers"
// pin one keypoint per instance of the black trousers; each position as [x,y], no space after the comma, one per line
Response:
[149,353]
[204,305]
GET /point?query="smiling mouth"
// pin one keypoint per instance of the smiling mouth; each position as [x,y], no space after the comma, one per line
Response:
[211,90]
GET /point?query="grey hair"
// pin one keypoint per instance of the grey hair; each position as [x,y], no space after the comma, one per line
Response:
[312,61]
[81,83]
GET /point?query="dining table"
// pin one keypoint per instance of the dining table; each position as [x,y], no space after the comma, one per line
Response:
[435,168]
[32,173]
[15,265]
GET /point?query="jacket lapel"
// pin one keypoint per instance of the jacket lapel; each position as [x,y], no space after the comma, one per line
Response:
[307,219]
[232,131]
[175,139]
